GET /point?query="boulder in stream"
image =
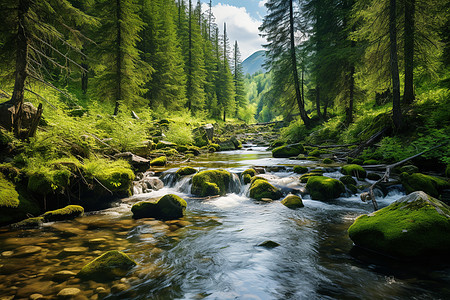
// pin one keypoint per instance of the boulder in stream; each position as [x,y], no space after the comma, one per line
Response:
[159,162]
[288,151]
[431,185]
[261,188]
[168,207]
[66,213]
[211,183]
[324,188]
[414,225]
[292,202]
[186,171]
[109,266]
[354,170]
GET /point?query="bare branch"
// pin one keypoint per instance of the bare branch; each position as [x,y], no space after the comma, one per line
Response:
[36,94]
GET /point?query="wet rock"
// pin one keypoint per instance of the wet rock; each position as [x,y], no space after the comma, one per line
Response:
[140,164]
[63,275]
[7,253]
[166,208]
[68,293]
[108,266]
[159,162]
[300,169]
[261,188]
[211,183]
[269,244]
[36,297]
[347,179]
[119,287]
[324,188]
[186,171]
[292,201]
[72,251]
[26,251]
[29,223]
[414,225]
[431,185]
[373,176]
[288,151]
[410,169]
[354,170]
[67,213]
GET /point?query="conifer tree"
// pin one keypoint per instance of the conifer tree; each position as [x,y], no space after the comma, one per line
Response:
[225,88]
[120,72]
[238,76]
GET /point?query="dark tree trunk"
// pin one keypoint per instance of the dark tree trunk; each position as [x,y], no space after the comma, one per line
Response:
[298,95]
[325,109]
[319,114]
[224,114]
[21,66]
[189,79]
[408,96]
[349,108]
[119,57]
[396,109]
[84,78]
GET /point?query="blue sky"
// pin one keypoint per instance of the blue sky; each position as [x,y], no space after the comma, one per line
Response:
[243,19]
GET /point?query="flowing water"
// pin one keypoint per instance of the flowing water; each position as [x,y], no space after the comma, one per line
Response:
[214,252]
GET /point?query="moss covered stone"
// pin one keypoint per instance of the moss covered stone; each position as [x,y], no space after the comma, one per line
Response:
[46,180]
[109,266]
[292,201]
[29,223]
[247,178]
[250,172]
[371,162]
[159,162]
[186,171]
[347,179]
[211,182]
[354,170]
[420,182]
[410,169]
[315,153]
[414,225]
[373,176]
[305,177]
[352,188]
[117,176]
[288,151]
[300,169]
[261,188]
[327,161]
[324,188]
[168,207]
[66,213]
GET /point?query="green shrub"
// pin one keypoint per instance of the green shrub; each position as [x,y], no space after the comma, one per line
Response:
[180,133]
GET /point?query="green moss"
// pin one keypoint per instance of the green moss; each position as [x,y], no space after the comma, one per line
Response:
[327,161]
[214,147]
[305,177]
[9,197]
[46,180]
[354,170]
[159,162]
[255,178]
[414,225]
[29,223]
[66,213]
[116,175]
[371,162]
[347,179]
[251,172]
[210,183]
[373,176]
[186,171]
[276,143]
[168,207]
[324,188]
[247,178]
[410,169]
[109,266]
[292,201]
[421,182]
[352,188]
[300,169]
[161,145]
[263,189]
[315,153]
[170,152]
[288,151]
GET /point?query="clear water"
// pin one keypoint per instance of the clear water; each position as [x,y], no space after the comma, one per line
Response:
[213,252]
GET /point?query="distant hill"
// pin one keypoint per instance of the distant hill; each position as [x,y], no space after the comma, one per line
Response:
[254,63]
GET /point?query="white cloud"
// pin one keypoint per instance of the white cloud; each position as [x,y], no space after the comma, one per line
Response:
[240,26]
[262,3]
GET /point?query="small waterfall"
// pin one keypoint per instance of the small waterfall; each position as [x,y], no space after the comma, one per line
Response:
[146,183]
[169,178]
[184,184]
[235,184]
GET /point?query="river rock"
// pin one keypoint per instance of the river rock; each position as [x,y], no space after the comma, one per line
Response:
[108,266]
[26,251]
[324,188]
[68,293]
[288,151]
[292,201]
[159,162]
[185,171]
[431,185]
[261,188]
[119,287]
[138,163]
[63,275]
[414,225]
[67,213]
[354,170]
[36,297]
[211,183]
[166,208]
[72,251]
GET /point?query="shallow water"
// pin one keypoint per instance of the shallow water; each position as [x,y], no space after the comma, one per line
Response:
[213,252]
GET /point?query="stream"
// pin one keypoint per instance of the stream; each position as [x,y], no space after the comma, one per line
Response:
[214,252]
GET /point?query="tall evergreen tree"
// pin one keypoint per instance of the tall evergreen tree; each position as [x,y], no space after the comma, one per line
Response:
[238,76]
[120,72]
[396,109]
[225,88]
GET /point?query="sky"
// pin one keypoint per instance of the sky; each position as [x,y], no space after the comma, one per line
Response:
[243,19]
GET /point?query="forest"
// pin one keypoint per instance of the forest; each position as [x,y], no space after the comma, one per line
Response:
[130,132]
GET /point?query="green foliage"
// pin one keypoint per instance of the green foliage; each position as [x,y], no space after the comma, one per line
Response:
[180,134]
[8,194]
[116,175]
[431,185]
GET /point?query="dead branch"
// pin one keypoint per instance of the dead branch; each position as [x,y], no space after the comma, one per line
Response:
[331,146]
[372,140]
[36,94]
[102,142]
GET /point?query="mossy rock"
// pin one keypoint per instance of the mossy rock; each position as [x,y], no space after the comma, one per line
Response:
[29,223]
[214,147]
[414,225]
[357,161]
[247,178]
[170,152]
[168,207]
[347,179]
[46,181]
[324,188]
[315,153]
[352,188]
[317,171]
[276,143]
[354,170]
[251,172]
[255,178]
[186,171]
[373,176]
[263,189]
[67,213]
[431,185]
[288,151]
[15,202]
[164,144]
[327,161]
[300,169]
[292,202]
[159,162]
[109,266]
[410,169]
[211,183]
[371,162]
[305,177]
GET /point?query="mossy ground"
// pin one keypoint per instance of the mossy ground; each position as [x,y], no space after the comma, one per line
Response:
[210,183]
[405,229]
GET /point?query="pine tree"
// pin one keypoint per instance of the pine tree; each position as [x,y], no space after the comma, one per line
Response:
[279,29]
[120,73]
[396,109]
[238,76]
[225,88]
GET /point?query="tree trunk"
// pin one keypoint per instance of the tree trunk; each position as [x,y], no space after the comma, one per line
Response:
[298,95]
[349,108]
[396,109]
[119,57]
[189,79]
[84,78]
[224,114]
[408,96]
[319,114]
[21,66]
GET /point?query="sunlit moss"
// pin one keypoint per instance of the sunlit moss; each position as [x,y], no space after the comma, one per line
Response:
[110,265]
[211,182]
[324,188]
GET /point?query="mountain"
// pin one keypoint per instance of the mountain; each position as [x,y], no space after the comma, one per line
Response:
[254,63]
